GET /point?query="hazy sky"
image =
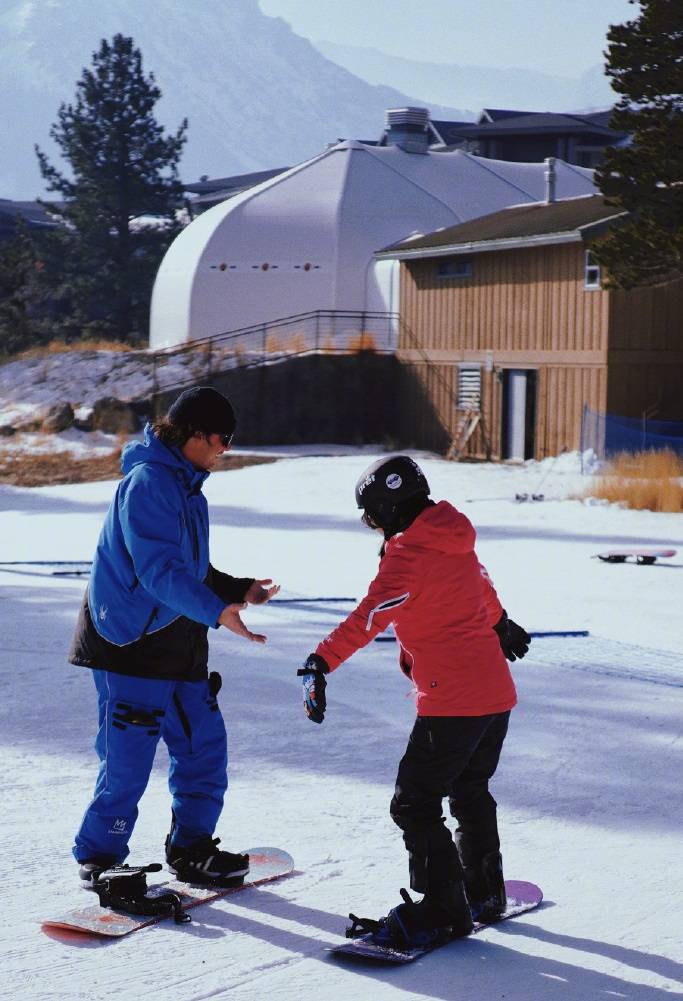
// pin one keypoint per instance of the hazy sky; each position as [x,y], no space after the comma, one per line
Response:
[562,37]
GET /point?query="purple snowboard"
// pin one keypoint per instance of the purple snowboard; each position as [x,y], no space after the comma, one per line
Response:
[522,897]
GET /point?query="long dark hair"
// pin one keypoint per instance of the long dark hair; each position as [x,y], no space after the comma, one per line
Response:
[170,433]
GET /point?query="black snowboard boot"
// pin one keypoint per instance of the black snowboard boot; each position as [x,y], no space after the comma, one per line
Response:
[203,862]
[448,906]
[485,888]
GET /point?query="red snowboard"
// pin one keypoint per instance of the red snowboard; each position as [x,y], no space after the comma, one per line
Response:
[265,864]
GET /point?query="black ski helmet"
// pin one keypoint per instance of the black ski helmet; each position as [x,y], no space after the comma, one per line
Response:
[386,488]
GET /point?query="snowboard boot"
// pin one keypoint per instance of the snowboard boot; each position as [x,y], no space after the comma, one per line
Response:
[485,888]
[448,906]
[203,862]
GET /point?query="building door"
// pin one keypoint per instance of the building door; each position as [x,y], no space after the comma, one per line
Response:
[519,413]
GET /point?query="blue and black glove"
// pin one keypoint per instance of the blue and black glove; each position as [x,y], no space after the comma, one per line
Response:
[514,640]
[313,676]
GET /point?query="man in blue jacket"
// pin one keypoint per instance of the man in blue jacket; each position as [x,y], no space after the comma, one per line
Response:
[143,628]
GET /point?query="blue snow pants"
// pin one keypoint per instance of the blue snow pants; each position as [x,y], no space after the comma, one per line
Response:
[133,714]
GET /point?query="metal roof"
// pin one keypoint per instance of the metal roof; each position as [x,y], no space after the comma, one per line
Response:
[219,184]
[535,222]
[539,122]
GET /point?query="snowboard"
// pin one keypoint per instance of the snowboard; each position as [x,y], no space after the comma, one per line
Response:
[265,864]
[645,557]
[522,897]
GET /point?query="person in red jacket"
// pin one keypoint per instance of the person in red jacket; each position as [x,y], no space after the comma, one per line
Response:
[454,637]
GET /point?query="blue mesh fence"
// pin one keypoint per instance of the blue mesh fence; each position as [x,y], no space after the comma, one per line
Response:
[608,434]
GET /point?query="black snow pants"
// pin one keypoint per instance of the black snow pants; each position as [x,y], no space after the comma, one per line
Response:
[454,757]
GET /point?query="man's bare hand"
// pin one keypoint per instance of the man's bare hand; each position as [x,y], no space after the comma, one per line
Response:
[230,618]
[259,594]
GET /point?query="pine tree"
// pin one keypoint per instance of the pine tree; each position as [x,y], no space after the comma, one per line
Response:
[122,168]
[645,62]
[20,270]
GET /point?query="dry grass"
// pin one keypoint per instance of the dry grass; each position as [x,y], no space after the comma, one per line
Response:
[22,468]
[62,347]
[642,481]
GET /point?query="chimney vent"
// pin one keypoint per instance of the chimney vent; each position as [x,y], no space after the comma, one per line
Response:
[408,128]
[550,179]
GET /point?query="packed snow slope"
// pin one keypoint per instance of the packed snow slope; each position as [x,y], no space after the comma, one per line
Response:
[589,786]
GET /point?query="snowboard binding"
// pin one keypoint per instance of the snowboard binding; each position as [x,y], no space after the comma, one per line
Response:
[361,926]
[404,928]
[124,888]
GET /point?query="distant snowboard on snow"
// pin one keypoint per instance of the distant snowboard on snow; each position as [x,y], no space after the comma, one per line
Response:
[645,557]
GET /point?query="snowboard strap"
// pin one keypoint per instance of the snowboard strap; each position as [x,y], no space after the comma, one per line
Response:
[361,926]
[124,888]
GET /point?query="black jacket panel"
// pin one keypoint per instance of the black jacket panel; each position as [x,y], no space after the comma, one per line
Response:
[178,652]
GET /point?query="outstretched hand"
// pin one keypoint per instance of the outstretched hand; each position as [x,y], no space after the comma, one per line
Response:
[231,619]
[258,594]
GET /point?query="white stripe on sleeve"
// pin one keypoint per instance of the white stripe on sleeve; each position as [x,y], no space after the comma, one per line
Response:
[385,606]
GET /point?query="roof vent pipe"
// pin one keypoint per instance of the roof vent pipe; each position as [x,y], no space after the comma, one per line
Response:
[408,129]
[550,179]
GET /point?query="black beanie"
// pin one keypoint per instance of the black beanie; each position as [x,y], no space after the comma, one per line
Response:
[203,409]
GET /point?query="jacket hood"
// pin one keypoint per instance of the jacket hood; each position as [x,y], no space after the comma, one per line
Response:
[151,450]
[440,527]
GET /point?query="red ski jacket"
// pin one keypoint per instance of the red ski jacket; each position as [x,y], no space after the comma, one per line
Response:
[443,606]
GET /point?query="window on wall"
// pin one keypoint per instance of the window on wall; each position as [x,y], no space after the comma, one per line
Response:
[469,388]
[591,278]
[454,267]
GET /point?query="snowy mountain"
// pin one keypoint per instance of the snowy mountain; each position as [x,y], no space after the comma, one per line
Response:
[475,86]
[256,94]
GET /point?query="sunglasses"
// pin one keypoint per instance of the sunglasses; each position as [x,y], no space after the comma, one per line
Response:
[226,439]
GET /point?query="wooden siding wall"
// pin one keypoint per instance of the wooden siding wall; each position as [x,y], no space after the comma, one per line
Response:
[428,418]
[528,300]
[523,309]
[562,393]
[646,351]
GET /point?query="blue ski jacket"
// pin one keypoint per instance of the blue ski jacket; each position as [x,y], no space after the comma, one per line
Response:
[153,593]
[153,552]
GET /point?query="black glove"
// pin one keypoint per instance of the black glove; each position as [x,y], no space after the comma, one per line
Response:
[514,641]
[313,674]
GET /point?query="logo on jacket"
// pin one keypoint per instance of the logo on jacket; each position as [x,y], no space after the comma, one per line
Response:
[102,613]
[394,481]
[119,826]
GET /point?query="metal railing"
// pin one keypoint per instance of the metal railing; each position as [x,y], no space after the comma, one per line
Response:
[331,332]
[319,332]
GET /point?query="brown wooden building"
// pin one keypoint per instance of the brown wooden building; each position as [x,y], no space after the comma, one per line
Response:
[506,314]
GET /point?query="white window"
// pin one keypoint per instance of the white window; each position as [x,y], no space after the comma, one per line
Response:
[591,276]
[469,388]
[454,267]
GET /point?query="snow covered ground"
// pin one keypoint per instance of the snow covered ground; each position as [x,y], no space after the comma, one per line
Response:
[29,385]
[589,788]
